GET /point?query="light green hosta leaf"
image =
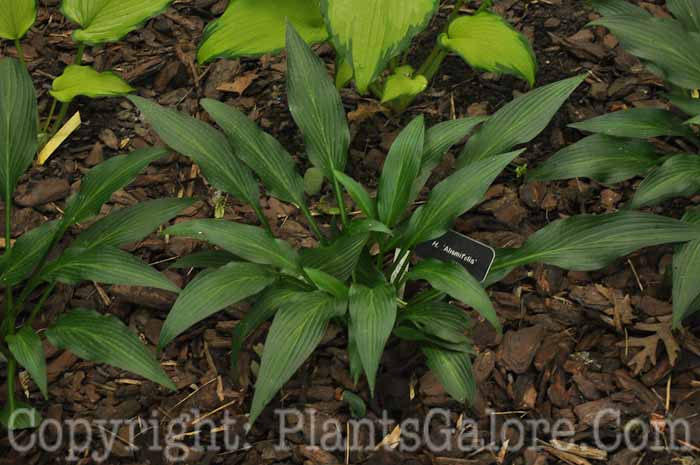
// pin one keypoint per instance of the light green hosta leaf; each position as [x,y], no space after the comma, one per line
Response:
[686,270]
[403,83]
[107,265]
[205,146]
[618,7]
[84,80]
[453,370]
[452,197]
[591,242]
[343,73]
[260,151]
[316,107]
[22,417]
[400,171]
[18,124]
[98,185]
[327,283]
[313,180]
[212,291]
[104,339]
[256,27]
[109,20]
[369,33]
[26,347]
[248,242]
[17,17]
[372,318]
[605,159]
[297,329]
[687,12]
[488,42]
[695,120]
[663,42]
[641,123]
[26,254]
[679,176]
[359,195]
[131,224]
[455,281]
[519,121]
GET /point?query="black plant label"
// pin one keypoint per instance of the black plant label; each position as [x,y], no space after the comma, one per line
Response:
[473,255]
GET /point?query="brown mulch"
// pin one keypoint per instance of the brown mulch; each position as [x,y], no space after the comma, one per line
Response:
[574,343]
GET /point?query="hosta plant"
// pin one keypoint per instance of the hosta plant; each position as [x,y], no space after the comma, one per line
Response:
[371,39]
[99,22]
[619,147]
[39,259]
[355,276]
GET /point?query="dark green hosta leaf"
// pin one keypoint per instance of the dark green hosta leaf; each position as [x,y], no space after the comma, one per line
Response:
[358,409]
[452,197]
[438,140]
[372,317]
[260,151]
[313,181]
[109,20]
[107,265]
[605,159]
[205,146]
[18,124]
[104,339]
[687,12]
[439,319]
[686,272]
[265,307]
[297,329]
[455,281]
[316,106]
[618,7]
[410,332]
[26,253]
[205,259]
[84,80]
[327,283]
[488,42]
[641,123]
[256,27]
[683,99]
[131,224]
[98,185]
[591,242]
[212,291]
[358,194]
[248,242]
[453,370]
[378,32]
[400,171]
[519,121]
[339,258]
[679,176]
[26,347]
[18,17]
[663,42]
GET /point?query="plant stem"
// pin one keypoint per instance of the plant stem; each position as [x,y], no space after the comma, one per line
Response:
[8,247]
[64,105]
[261,217]
[40,303]
[341,203]
[313,225]
[48,118]
[398,262]
[11,372]
[20,52]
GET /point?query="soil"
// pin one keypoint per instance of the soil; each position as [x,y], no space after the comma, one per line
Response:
[574,343]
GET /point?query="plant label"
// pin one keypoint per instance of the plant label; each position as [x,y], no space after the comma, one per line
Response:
[473,255]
